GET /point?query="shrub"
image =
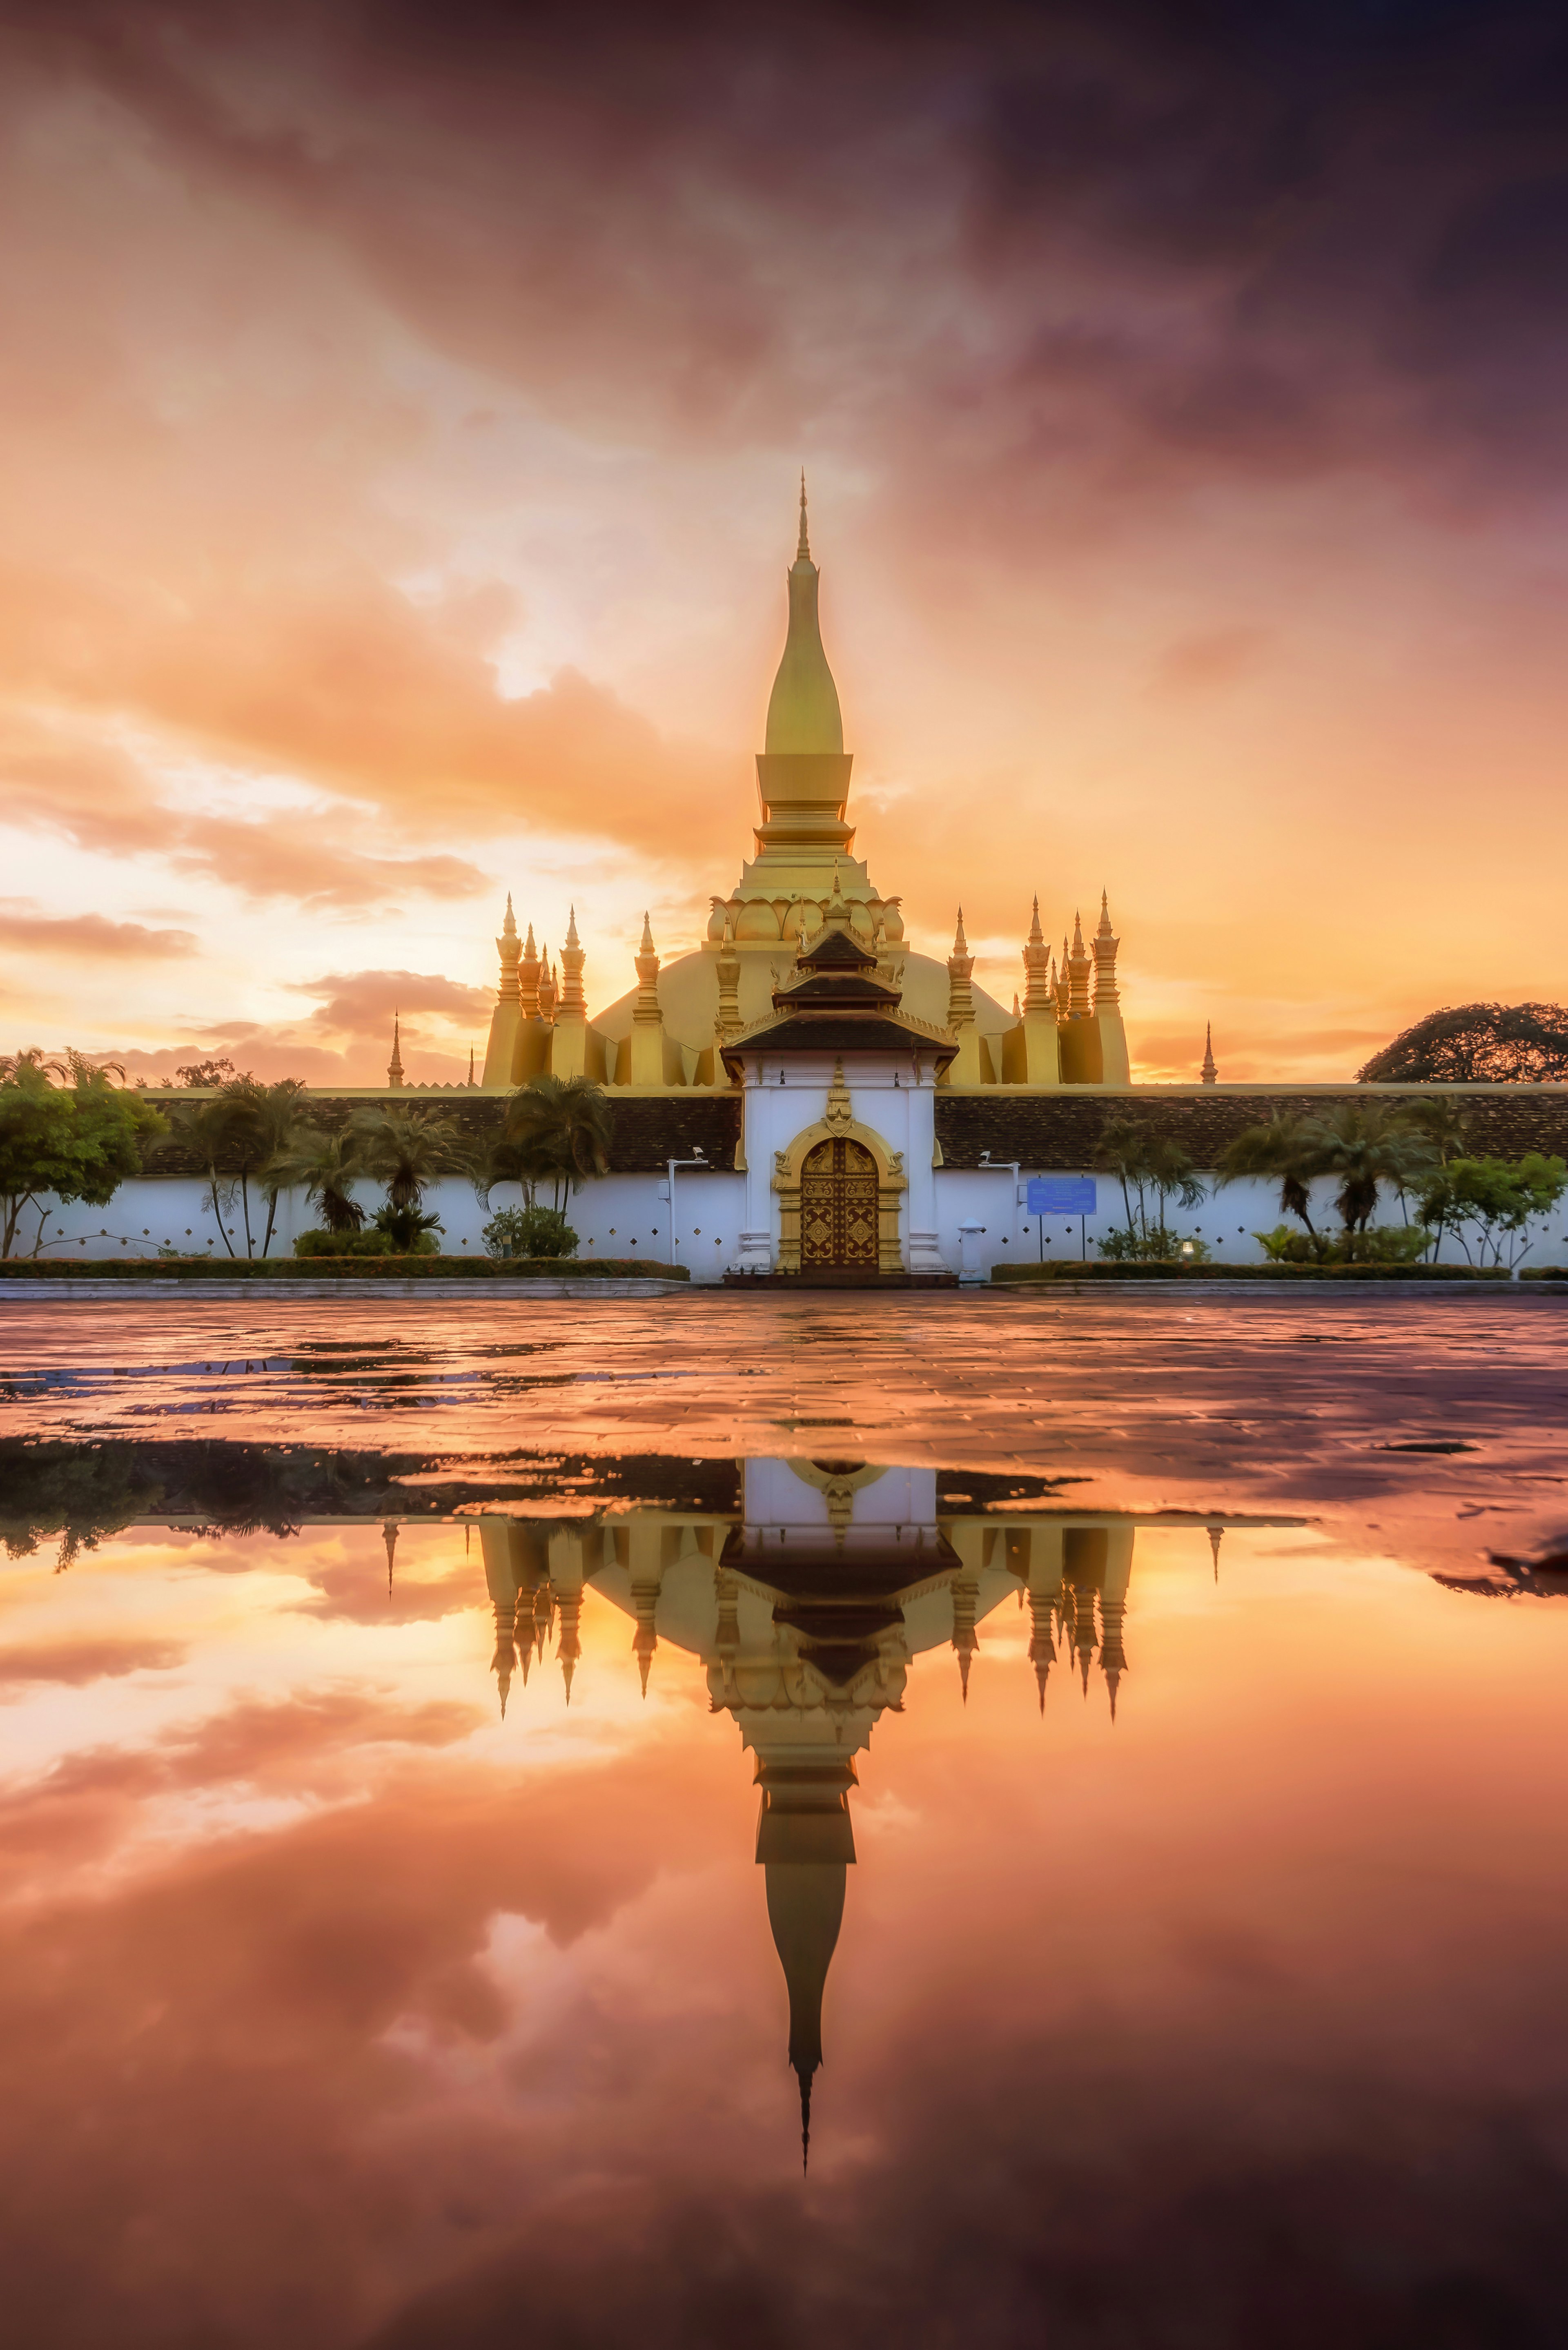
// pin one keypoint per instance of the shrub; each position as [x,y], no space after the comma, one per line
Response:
[409,1231]
[529,1232]
[348,1244]
[1125,1244]
[1379,1245]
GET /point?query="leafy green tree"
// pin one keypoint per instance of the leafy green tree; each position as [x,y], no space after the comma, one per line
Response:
[557,1130]
[75,1141]
[1477,1044]
[408,1151]
[1491,1201]
[1290,1150]
[1366,1147]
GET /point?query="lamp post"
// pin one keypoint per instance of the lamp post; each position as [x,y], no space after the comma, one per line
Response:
[671,1165]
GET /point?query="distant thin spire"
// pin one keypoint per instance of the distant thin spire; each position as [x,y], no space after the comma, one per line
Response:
[395,1066]
[803,552]
[1208,1074]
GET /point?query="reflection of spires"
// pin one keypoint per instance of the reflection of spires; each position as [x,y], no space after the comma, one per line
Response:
[1042,1649]
[505,1658]
[1112,1656]
[389,1536]
[1215,1536]
[966,1641]
[806,1844]
[568,1647]
[645,1640]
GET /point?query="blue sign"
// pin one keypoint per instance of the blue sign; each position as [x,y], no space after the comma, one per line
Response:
[1061,1195]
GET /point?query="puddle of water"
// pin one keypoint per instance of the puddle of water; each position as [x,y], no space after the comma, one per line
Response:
[445,1879]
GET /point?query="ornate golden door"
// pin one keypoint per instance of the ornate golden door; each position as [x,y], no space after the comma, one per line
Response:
[838,1205]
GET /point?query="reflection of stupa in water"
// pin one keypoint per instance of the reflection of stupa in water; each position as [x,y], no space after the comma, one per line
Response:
[807,1612]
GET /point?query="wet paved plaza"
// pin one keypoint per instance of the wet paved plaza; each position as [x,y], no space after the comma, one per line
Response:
[480,1779]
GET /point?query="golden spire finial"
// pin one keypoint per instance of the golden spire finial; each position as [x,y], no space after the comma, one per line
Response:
[647,946]
[1077,934]
[509,927]
[1104,929]
[1036,936]
[395,1066]
[571,939]
[529,949]
[960,944]
[803,552]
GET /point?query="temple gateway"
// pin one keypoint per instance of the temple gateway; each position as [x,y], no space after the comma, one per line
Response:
[805,1003]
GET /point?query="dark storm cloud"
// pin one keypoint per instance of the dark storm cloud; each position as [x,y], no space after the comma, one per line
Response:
[1259,237]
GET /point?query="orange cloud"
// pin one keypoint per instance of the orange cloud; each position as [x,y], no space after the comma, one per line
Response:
[88,934]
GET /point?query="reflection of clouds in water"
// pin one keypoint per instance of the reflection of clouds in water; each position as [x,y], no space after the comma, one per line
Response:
[1151,2029]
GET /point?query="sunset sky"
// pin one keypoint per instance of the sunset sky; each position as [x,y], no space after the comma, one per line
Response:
[400,412]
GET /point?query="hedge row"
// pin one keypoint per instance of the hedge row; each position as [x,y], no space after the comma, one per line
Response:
[1170,1271]
[343,1268]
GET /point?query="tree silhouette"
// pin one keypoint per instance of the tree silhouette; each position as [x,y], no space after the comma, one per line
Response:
[1477,1044]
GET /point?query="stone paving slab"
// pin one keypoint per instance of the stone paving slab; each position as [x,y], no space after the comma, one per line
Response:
[1158,1401]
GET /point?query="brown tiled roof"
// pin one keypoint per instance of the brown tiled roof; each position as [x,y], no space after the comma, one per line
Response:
[885,1032]
[1062,1130]
[645,1132]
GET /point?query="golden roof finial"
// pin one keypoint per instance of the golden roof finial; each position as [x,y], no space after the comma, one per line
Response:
[571,939]
[1036,936]
[647,946]
[509,927]
[960,944]
[803,552]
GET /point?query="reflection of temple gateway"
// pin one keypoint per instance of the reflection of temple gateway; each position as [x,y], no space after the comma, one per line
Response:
[807,1611]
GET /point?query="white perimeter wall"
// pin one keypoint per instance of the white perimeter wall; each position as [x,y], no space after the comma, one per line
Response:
[624,1215]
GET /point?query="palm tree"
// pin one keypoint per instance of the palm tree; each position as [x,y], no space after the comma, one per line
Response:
[408,1149]
[1368,1147]
[1123,1151]
[322,1166]
[557,1129]
[237,1132]
[1441,1122]
[1290,1147]
[1142,1161]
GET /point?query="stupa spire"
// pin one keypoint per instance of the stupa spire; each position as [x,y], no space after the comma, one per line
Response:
[395,1066]
[803,715]
[1209,1074]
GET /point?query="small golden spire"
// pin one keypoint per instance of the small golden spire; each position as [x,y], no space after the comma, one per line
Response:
[647,946]
[1036,936]
[803,552]
[470,1065]
[395,1066]
[509,927]
[571,939]
[960,944]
